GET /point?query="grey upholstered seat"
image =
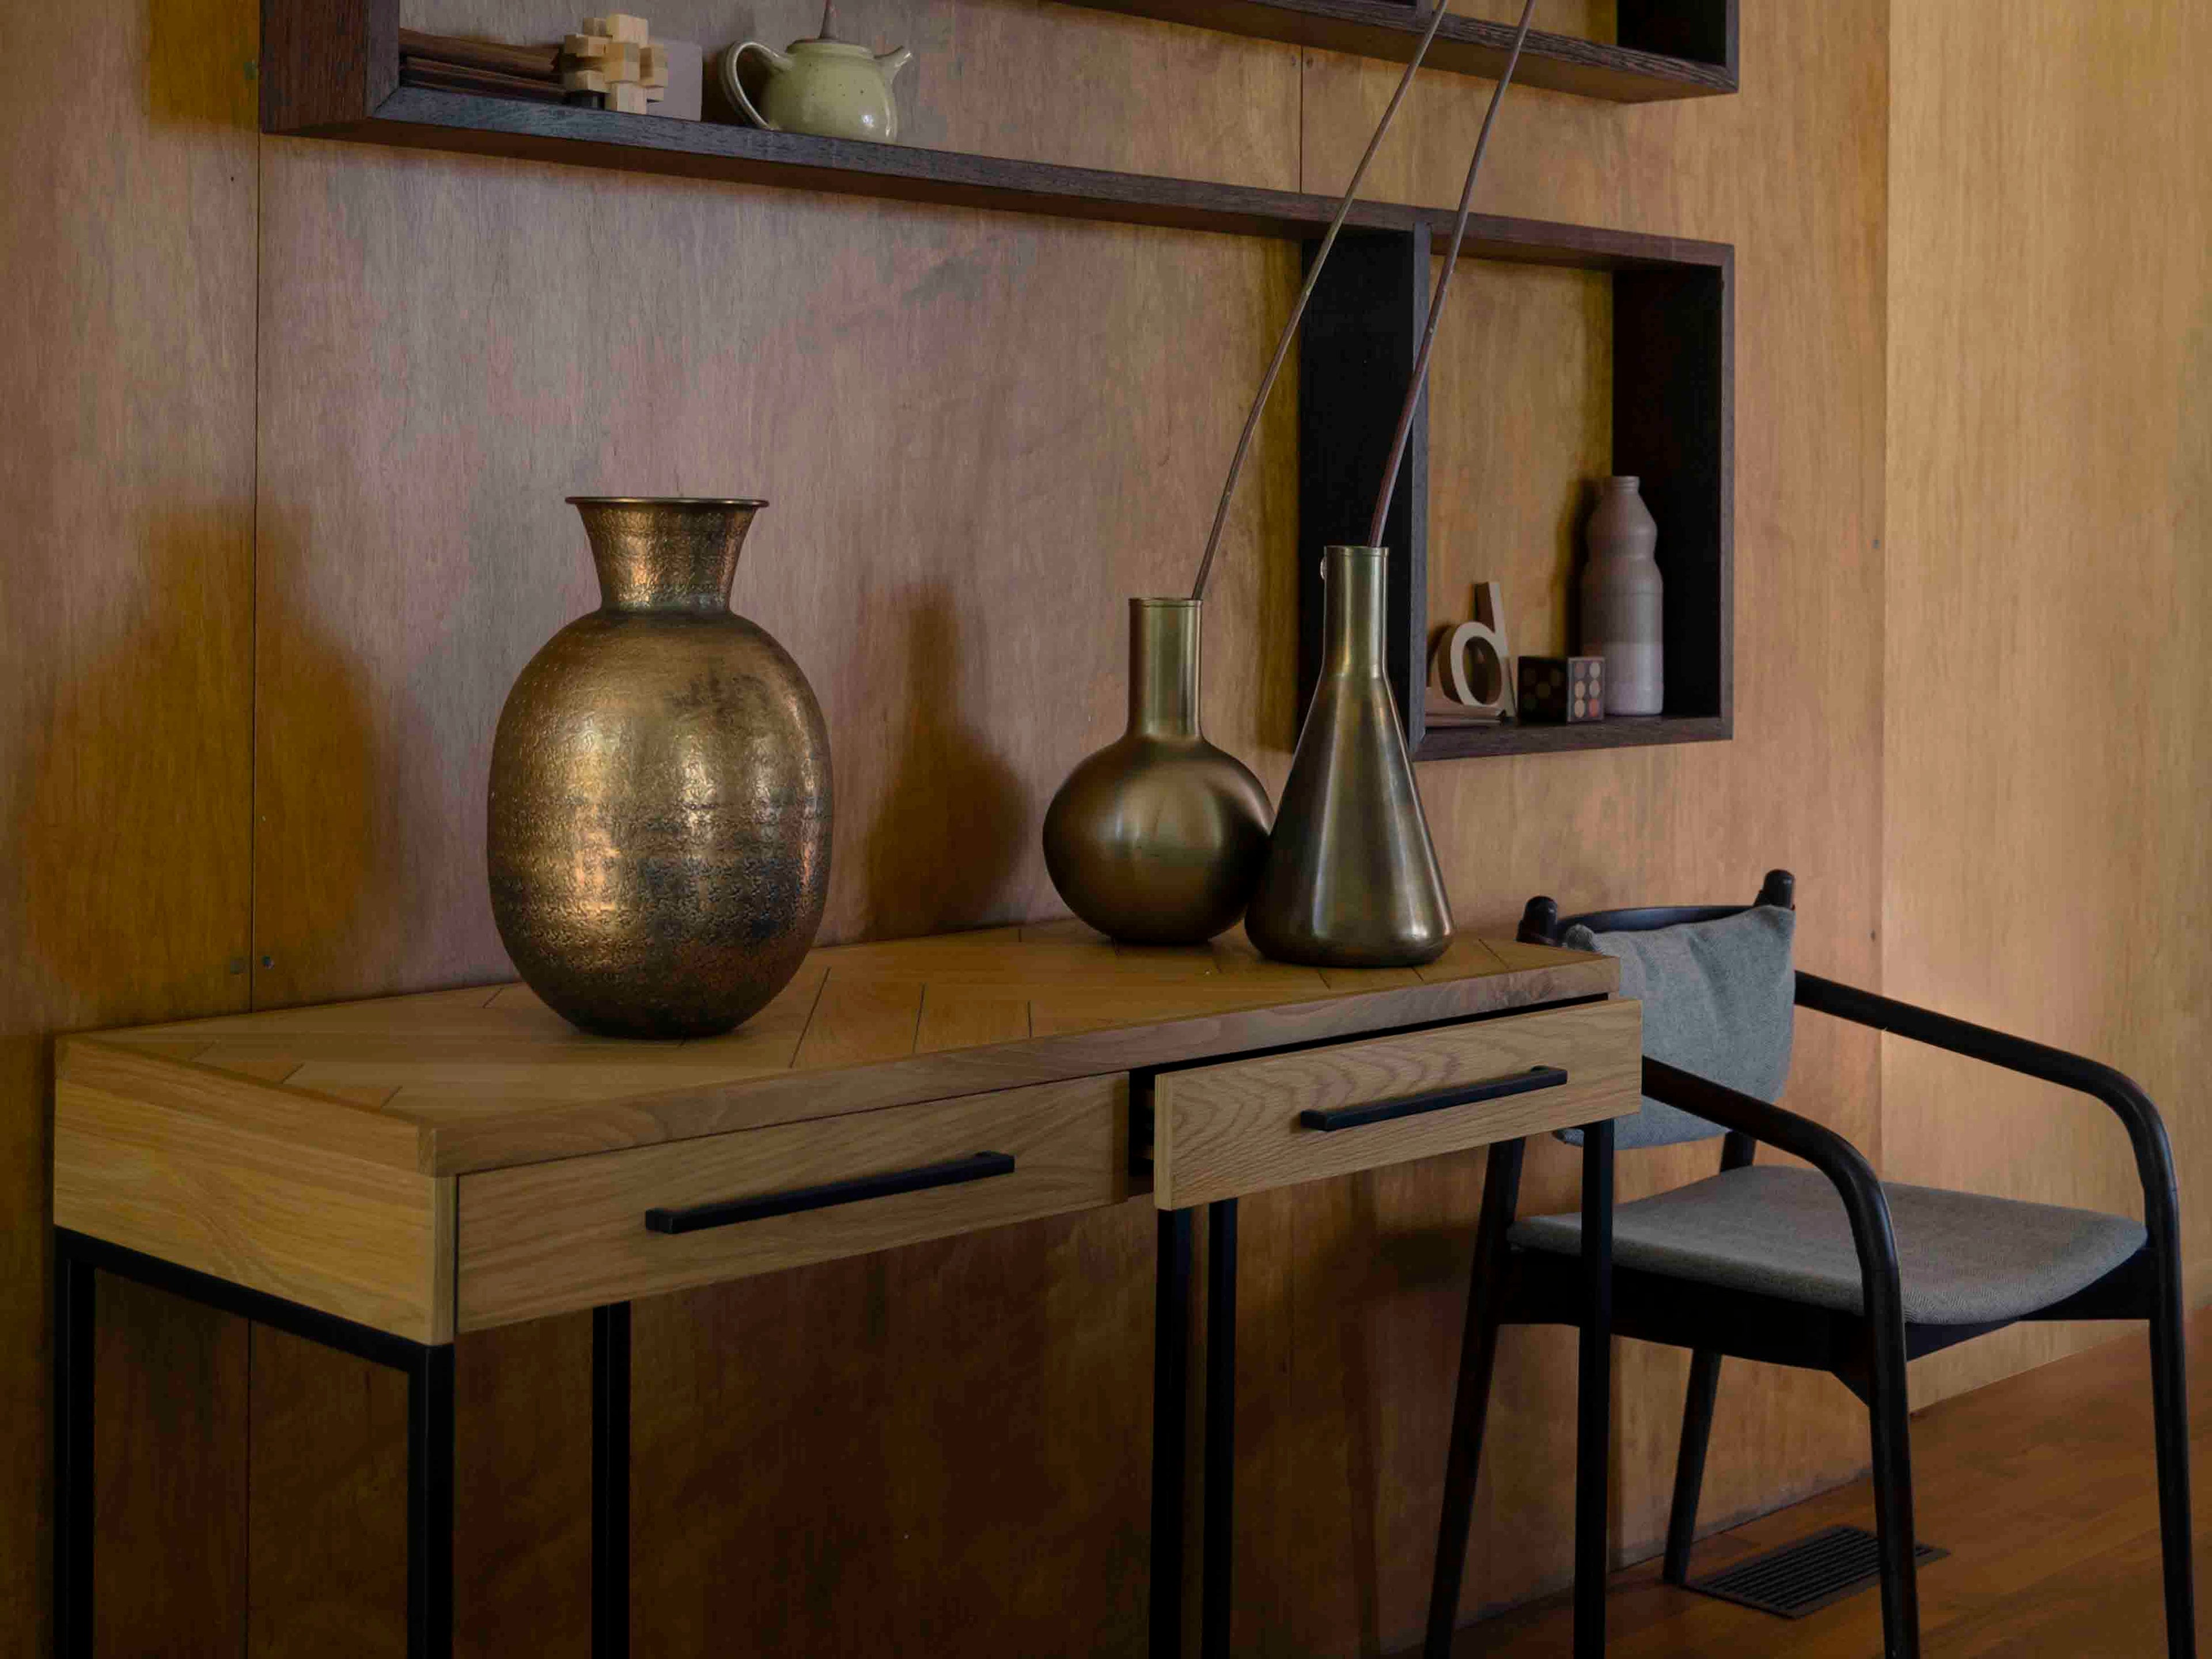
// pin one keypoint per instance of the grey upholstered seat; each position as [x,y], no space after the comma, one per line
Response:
[1780,1231]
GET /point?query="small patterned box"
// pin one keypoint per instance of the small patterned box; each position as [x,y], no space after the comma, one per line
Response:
[1569,689]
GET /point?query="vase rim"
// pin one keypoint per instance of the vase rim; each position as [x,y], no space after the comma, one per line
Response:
[664,501]
[1185,604]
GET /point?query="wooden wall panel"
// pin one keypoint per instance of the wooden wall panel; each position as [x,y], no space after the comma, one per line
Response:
[980,435]
[1005,77]
[126,348]
[1791,171]
[2050,512]
[874,373]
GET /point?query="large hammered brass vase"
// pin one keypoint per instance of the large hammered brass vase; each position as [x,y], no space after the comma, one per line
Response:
[1351,877]
[1156,838]
[658,839]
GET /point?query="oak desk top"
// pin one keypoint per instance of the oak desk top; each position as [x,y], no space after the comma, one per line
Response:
[448,1082]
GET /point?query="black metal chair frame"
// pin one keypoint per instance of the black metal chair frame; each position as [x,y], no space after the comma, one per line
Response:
[1867,1352]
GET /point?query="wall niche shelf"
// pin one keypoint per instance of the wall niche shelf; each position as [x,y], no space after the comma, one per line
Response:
[332,69]
[1665,49]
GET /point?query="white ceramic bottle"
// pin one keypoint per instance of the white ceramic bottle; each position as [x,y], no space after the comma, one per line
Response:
[1623,612]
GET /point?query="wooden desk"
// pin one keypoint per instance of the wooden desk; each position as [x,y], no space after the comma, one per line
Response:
[380,1175]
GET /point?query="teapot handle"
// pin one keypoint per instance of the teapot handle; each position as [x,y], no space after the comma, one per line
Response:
[735,87]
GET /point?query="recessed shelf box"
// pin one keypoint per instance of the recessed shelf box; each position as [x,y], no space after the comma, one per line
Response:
[1673,425]
[330,69]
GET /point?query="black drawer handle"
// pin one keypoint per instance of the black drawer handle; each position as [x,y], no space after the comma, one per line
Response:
[1381,1111]
[976,1166]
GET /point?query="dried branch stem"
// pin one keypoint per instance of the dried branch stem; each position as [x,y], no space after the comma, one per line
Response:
[1313,276]
[1444,287]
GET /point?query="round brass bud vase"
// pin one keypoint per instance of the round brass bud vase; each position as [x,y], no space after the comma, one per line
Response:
[1157,838]
[1351,879]
[659,838]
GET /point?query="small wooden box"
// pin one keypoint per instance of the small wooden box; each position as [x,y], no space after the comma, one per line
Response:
[1562,689]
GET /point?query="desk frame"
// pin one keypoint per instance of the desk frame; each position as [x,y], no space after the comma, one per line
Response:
[79,1257]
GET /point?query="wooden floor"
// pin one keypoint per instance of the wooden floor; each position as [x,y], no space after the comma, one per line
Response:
[2039,1487]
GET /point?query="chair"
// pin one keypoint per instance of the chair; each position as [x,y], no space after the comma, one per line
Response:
[1829,1269]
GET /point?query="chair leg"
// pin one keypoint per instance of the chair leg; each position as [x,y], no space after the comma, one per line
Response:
[1501,1190]
[2170,1408]
[1690,1464]
[1889,1410]
[1593,1395]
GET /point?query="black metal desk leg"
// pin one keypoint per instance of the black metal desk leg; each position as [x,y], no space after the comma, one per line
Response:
[610,1481]
[1593,1416]
[1170,1384]
[430,1503]
[1221,1426]
[73,1358]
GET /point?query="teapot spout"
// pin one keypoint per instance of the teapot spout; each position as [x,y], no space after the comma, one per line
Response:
[892,62]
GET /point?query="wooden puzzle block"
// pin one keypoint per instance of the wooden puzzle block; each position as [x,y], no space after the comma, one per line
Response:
[582,80]
[653,66]
[1562,689]
[631,31]
[621,62]
[585,48]
[596,26]
[627,97]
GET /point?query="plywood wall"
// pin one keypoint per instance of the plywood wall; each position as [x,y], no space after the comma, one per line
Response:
[293,523]
[2049,582]
[126,464]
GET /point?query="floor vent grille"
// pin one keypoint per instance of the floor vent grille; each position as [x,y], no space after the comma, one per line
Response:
[1803,1577]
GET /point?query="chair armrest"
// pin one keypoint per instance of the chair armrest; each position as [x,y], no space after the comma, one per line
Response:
[2146,1129]
[1842,1164]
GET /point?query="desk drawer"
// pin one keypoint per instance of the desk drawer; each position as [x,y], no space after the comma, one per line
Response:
[547,1238]
[1222,1131]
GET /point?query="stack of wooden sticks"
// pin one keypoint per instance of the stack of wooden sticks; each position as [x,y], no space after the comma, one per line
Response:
[433,60]
[609,63]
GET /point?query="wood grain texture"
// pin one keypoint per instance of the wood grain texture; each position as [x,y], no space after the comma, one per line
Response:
[448,1082]
[326,63]
[1791,171]
[453,344]
[2050,500]
[126,357]
[327,1517]
[1225,1131]
[568,1235]
[365,1240]
[170,1430]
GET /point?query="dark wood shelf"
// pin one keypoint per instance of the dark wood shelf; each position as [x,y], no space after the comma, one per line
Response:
[1623,74]
[1621,731]
[426,117]
[1674,425]
[332,69]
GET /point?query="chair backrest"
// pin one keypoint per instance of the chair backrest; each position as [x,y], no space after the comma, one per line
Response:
[1699,1042]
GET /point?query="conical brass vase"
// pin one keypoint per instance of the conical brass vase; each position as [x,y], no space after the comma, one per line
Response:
[1351,877]
[1156,838]
[658,833]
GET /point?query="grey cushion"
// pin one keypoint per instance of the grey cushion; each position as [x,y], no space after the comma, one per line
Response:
[1717,998]
[1963,1259]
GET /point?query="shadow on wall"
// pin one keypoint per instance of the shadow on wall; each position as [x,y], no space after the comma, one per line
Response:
[949,828]
[323,835]
[200,68]
[119,913]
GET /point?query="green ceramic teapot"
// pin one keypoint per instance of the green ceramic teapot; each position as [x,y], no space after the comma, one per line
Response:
[828,86]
